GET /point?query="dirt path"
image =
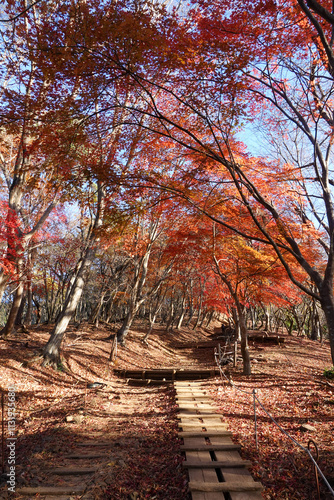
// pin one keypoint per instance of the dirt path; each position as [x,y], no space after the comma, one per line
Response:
[131,432]
[124,437]
[136,428]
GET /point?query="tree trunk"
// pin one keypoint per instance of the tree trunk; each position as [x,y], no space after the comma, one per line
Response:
[210,318]
[9,327]
[124,330]
[149,331]
[18,296]
[327,305]
[3,283]
[247,370]
[237,327]
[183,312]
[28,317]
[51,353]
[171,317]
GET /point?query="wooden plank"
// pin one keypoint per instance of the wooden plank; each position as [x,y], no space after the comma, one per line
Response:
[210,447]
[199,415]
[194,395]
[225,486]
[51,490]
[190,384]
[200,410]
[205,427]
[192,399]
[197,405]
[186,387]
[201,433]
[218,464]
[236,474]
[197,425]
[200,475]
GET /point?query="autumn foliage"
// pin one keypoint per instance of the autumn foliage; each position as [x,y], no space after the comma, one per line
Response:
[127,117]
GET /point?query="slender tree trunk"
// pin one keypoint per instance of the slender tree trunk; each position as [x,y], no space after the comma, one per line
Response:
[183,312]
[247,370]
[28,316]
[205,315]
[170,320]
[18,296]
[38,311]
[95,314]
[210,318]
[124,330]
[19,316]
[51,353]
[235,316]
[149,331]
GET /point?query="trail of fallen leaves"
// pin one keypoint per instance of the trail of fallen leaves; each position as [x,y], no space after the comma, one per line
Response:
[142,459]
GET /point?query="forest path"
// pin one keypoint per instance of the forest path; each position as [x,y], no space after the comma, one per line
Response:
[212,459]
[63,422]
[113,430]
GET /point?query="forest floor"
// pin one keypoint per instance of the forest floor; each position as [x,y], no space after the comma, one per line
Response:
[142,459]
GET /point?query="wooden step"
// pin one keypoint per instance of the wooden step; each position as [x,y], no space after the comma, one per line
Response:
[198,426]
[219,464]
[192,399]
[199,415]
[205,434]
[210,447]
[167,374]
[140,382]
[242,485]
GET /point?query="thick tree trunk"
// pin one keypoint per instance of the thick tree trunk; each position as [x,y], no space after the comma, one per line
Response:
[9,327]
[19,316]
[51,353]
[327,304]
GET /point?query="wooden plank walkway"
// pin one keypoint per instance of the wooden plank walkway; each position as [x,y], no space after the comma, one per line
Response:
[167,374]
[214,464]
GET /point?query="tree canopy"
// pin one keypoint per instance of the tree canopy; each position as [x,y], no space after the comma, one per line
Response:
[130,112]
